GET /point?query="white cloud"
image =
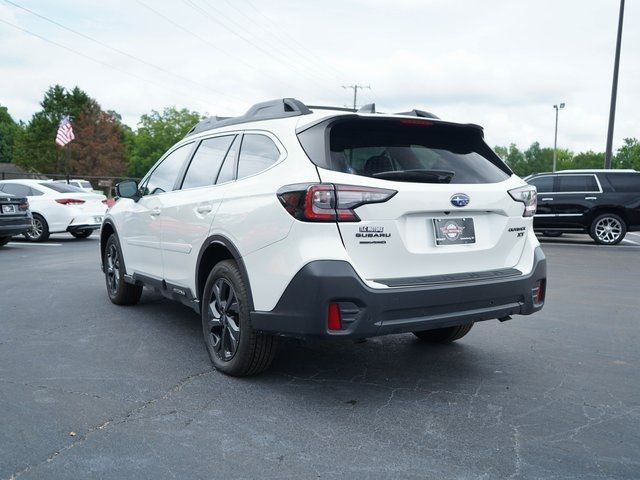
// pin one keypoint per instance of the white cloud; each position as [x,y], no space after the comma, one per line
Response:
[497,63]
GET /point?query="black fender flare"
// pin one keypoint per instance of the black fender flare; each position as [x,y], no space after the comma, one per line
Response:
[228,244]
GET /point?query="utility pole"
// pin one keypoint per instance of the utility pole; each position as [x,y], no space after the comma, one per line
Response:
[614,91]
[355,91]
[555,137]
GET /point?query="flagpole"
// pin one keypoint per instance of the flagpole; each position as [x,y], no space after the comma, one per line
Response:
[68,148]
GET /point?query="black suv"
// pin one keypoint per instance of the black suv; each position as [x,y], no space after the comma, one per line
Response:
[603,203]
[15,217]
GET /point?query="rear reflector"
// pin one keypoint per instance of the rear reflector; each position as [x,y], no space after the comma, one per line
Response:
[69,201]
[538,292]
[334,319]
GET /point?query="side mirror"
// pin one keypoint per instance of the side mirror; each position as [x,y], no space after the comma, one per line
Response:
[128,189]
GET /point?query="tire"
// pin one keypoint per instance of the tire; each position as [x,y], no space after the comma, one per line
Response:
[39,232]
[82,233]
[234,347]
[4,241]
[119,291]
[444,335]
[608,229]
[552,233]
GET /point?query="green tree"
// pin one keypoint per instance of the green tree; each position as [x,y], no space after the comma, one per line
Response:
[8,131]
[514,158]
[588,159]
[157,132]
[628,156]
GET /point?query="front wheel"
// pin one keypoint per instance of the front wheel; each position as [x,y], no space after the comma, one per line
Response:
[608,229]
[39,231]
[120,292]
[444,335]
[82,233]
[234,347]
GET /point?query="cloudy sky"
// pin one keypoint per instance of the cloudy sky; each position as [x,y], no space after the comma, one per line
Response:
[498,63]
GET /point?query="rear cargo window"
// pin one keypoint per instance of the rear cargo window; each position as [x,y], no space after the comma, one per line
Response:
[404,150]
[625,182]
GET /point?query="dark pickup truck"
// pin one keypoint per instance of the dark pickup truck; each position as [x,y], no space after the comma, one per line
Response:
[15,217]
[603,203]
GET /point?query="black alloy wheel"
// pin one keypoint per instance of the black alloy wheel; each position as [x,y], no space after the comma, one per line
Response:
[224,320]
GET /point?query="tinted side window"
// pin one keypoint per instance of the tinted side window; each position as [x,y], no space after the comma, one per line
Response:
[163,178]
[543,184]
[625,182]
[16,189]
[206,162]
[577,183]
[228,170]
[258,152]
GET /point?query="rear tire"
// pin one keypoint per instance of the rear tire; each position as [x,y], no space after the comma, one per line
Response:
[119,291]
[82,233]
[4,241]
[444,335]
[551,233]
[39,232]
[608,229]
[234,347]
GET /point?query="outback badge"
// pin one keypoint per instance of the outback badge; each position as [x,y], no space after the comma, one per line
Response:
[460,200]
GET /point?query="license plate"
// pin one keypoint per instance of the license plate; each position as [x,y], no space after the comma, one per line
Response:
[454,231]
[8,209]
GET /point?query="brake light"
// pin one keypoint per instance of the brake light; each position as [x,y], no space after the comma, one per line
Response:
[527,195]
[415,121]
[334,318]
[24,206]
[69,201]
[326,202]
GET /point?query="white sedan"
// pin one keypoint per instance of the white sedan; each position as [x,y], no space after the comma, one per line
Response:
[58,207]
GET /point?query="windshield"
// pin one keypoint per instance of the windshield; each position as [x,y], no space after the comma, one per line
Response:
[409,150]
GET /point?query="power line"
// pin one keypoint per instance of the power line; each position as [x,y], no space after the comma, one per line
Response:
[355,88]
[121,52]
[291,39]
[105,64]
[282,41]
[211,44]
[247,40]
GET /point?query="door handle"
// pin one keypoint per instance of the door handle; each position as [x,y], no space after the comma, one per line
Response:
[204,209]
[547,199]
[590,198]
[155,212]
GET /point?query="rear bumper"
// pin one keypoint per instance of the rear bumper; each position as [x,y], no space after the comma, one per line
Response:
[15,226]
[367,312]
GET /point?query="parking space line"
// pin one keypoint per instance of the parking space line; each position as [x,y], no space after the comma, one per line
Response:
[15,244]
[630,241]
[586,245]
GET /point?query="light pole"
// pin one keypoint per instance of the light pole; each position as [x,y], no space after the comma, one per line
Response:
[555,137]
[614,91]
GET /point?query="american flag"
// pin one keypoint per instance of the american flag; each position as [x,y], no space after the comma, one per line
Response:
[65,132]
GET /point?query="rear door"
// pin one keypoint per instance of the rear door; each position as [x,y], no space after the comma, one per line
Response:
[453,212]
[574,198]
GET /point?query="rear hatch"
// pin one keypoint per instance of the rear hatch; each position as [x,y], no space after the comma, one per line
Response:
[452,213]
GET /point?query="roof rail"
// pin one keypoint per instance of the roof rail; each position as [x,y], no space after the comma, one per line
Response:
[368,108]
[326,107]
[418,113]
[279,108]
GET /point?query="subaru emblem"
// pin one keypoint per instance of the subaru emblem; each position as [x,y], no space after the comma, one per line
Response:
[460,200]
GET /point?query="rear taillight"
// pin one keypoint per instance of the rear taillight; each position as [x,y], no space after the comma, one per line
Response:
[24,206]
[527,195]
[326,202]
[69,201]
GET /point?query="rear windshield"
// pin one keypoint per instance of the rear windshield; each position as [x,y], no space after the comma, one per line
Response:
[625,182]
[405,150]
[61,187]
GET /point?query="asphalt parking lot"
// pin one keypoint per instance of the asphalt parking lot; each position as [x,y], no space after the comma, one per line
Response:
[92,390]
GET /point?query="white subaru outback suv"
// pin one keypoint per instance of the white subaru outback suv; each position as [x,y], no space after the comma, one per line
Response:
[329,223]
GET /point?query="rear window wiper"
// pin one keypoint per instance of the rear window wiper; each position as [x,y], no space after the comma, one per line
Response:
[418,175]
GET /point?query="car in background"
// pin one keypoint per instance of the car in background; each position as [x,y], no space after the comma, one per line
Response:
[603,203]
[83,185]
[58,207]
[15,217]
